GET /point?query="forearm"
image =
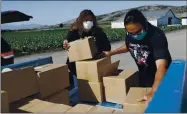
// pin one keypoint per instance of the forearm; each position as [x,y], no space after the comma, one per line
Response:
[158,78]
[122,49]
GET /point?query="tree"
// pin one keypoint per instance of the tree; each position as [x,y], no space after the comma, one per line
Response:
[61,25]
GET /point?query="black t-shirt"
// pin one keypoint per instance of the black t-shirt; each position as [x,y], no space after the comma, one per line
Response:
[146,51]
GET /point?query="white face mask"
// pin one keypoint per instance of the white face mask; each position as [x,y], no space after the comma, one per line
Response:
[88,25]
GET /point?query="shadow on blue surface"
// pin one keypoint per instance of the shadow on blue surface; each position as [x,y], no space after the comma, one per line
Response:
[34,63]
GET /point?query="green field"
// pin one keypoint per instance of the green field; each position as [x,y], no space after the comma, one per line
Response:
[28,42]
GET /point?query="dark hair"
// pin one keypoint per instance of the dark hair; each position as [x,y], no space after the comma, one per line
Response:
[78,23]
[135,16]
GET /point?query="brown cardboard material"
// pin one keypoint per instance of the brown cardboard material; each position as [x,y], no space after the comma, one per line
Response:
[118,111]
[19,83]
[101,109]
[22,105]
[95,70]
[57,108]
[52,78]
[116,87]
[39,106]
[131,104]
[90,91]
[83,108]
[60,97]
[82,49]
[4,102]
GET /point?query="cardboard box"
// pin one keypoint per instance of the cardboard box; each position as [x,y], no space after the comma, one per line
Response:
[82,49]
[101,109]
[4,102]
[52,78]
[81,108]
[19,83]
[61,97]
[57,108]
[95,70]
[131,104]
[40,106]
[90,91]
[118,111]
[116,87]
[22,105]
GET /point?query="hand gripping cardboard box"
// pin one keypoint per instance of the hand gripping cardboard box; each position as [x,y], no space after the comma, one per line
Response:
[19,83]
[60,97]
[116,87]
[52,78]
[95,70]
[80,108]
[82,49]
[90,91]
[132,103]
[4,102]
[101,109]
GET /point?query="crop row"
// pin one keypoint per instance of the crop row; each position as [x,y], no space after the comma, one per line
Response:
[28,42]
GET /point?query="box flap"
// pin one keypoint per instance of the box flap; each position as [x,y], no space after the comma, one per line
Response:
[135,94]
[40,106]
[57,108]
[48,67]
[20,83]
[81,108]
[111,68]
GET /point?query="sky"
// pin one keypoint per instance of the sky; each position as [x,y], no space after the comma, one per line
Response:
[55,12]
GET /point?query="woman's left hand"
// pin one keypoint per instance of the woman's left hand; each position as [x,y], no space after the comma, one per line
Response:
[148,97]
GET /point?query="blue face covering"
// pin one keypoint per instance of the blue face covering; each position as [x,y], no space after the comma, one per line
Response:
[140,36]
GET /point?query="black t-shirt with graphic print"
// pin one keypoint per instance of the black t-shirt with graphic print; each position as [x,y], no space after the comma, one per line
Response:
[146,51]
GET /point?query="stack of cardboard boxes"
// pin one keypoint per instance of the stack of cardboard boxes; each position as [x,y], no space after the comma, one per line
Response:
[35,90]
[124,89]
[44,88]
[90,72]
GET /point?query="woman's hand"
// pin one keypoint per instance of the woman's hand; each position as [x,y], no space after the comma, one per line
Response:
[107,53]
[147,98]
[66,45]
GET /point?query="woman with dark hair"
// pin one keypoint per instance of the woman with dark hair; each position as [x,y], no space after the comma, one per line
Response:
[84,26]
[148,46]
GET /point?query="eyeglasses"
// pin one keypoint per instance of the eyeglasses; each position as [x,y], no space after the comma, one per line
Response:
[136,33]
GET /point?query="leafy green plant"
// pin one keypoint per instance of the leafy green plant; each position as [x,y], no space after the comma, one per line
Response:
[28,42]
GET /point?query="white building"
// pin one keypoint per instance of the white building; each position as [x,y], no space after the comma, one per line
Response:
[184,21]
[156,18]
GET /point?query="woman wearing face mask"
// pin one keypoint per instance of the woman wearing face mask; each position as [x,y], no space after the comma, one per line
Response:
[86,25]
[148,46]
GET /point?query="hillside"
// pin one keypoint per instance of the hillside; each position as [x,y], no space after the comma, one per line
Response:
[178,10]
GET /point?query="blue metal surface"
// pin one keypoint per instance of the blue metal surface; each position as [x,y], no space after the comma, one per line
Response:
[110,105]
[168,98]
[184,96]
[34,63]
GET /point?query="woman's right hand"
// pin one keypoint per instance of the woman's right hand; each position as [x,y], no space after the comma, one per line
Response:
[107,53]
[66,45]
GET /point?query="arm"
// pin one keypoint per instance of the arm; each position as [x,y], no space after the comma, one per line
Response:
[161,70]
[162,59]
[122,49]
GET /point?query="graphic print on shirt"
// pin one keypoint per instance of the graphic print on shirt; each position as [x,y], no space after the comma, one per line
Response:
[140,53]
